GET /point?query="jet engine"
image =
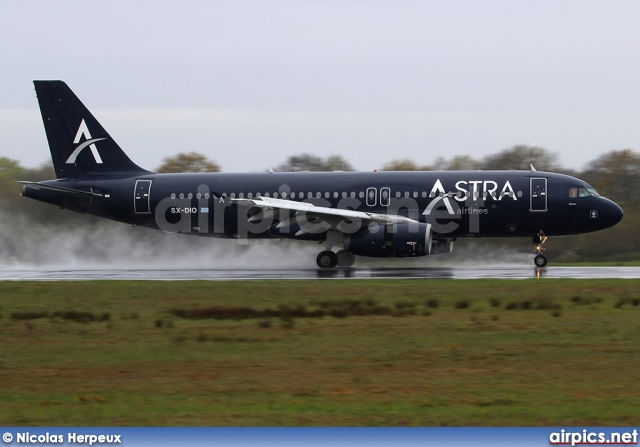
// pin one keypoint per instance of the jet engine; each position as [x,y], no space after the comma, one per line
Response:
[388,241]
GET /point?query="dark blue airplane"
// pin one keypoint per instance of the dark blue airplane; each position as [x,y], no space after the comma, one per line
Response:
[375,214]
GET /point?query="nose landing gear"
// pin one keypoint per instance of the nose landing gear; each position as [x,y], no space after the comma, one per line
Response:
[540,260]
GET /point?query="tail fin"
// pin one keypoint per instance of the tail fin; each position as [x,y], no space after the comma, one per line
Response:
[79,144]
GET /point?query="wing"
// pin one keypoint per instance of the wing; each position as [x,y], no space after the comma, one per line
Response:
[333,216]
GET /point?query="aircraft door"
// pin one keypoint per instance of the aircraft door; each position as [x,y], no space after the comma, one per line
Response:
[538,194]
[385,196]
[372,196]
[142,197]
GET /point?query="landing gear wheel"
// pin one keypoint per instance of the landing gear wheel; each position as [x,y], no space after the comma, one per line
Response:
[327,260]
[345,258]
[540,260]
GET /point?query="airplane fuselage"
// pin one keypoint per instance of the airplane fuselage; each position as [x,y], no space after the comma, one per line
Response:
[457,203]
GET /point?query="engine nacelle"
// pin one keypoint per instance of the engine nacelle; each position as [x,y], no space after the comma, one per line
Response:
[388,241]
[441,246]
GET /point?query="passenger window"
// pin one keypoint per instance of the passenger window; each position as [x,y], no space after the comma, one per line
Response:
[182,195]
[173,195]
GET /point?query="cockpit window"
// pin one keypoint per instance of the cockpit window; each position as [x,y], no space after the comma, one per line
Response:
[593,192]
[583,192]
[587,192]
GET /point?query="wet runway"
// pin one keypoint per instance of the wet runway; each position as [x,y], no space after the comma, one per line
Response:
[460,272]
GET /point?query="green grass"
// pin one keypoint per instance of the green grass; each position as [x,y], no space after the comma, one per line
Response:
[491,352]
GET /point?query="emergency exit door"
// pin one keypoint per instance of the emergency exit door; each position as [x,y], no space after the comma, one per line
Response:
[372,196]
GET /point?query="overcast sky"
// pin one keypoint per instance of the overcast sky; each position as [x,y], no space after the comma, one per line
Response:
[249,83]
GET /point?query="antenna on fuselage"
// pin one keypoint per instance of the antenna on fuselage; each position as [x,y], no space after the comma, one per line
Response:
[532,168]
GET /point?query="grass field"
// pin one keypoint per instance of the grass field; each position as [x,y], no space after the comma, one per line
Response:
[272,353]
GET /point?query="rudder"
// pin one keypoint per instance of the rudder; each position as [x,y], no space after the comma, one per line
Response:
[79,145]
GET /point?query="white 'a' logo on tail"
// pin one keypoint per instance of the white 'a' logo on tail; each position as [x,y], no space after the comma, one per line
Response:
[90,142]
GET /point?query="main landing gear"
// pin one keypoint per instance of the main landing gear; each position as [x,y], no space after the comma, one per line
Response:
[345,258]
[540,260]
[327,259]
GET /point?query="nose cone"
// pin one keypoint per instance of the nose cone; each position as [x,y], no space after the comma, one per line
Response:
[611,213]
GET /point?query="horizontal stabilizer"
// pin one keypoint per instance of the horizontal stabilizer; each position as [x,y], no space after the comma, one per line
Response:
[60,189]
